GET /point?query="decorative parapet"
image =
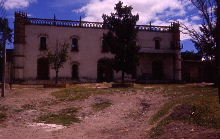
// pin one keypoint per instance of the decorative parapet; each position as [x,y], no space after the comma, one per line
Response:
[84,24]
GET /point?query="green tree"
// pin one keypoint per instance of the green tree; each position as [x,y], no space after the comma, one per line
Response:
[5,37]
[58,58]
[120,39]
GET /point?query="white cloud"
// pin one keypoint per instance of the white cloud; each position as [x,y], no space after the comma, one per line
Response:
[159,12]
[148,10]
[196,18]
[16,4]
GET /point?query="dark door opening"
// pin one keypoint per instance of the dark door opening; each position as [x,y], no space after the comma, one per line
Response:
[157,70]
[105,71]
[75,75]
[43,69]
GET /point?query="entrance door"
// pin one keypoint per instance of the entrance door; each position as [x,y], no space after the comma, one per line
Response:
[42,69]
[75,75]
[157,70]
[104,71]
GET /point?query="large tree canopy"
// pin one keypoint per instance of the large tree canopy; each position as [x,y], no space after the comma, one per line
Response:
[121,38]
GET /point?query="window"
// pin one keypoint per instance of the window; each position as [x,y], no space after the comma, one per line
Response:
[157,44]
[43,43]
[75,75]
[74,46]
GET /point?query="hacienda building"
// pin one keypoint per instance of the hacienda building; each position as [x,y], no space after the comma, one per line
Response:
[160,57]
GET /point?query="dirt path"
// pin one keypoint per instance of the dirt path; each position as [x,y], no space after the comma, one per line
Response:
[127,118]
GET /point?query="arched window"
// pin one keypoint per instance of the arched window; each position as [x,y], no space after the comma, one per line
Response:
[74,46]
[75,72]
[74,43]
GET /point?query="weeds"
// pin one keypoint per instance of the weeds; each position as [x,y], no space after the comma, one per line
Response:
[64,117]
[101,106]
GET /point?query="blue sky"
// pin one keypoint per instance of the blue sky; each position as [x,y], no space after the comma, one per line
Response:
[156,11]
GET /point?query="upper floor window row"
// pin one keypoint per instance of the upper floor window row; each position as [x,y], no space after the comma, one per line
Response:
[74,43]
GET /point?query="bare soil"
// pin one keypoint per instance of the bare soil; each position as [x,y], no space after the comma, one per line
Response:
[127,117]
[183,130]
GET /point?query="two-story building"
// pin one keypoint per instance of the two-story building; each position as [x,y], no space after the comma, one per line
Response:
[160,57]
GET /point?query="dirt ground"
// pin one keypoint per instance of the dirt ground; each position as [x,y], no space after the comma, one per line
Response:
[127,117]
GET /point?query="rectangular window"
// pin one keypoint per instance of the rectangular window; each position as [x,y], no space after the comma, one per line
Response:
[157,44]
[74,46]
[43,43]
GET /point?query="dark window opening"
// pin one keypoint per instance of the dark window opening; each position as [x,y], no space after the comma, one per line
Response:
[74,46]
[75,74]
[43,43]
[157,44]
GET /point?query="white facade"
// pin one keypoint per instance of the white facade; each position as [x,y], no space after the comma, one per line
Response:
[28,32]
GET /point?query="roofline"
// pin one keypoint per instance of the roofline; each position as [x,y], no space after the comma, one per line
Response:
[22,17]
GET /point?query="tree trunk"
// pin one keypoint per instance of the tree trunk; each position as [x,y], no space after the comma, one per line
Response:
[4,64]
[56,79]
[218,47]
[122,76]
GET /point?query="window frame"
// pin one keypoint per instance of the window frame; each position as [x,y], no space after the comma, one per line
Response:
[43,44]
[157,43]
[75,43]
[76,38]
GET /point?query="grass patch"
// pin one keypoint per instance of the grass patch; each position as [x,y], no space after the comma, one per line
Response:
[183,94]
[71,110]
[204,109]
[2,117]
[61,119]
[64,117]
[83,91]
[158,130]
[75,93]
[101,106]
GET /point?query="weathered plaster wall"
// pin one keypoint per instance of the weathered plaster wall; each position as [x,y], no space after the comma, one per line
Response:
[89,50]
